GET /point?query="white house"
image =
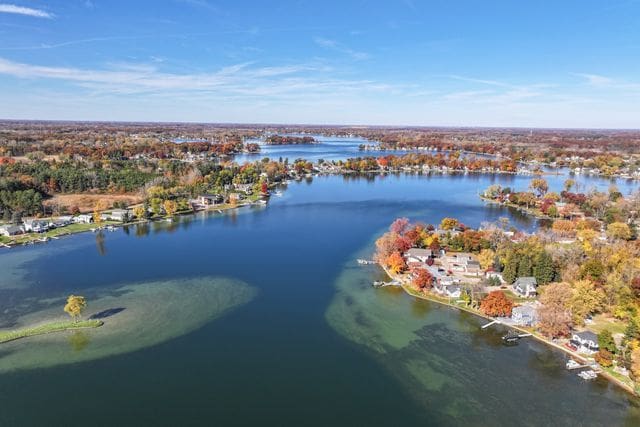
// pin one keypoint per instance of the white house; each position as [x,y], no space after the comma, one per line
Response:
[586,342]
[525,286]
[418,255]
[11,230]
[35,225]
[83,219]
[524,315]
[119,215]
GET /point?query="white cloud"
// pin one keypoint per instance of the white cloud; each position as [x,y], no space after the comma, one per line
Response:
[27,11]
[595,79]
[339,47]
[243,79]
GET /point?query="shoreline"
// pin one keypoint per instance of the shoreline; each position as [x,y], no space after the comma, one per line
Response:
[36,238]
[47,328]
[432,298]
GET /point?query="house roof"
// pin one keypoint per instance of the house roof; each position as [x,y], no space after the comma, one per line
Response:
[587,335]
[416,252]
[525,281]
[525,310]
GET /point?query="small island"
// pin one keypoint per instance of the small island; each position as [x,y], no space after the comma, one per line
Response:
[74,307]
[289,140]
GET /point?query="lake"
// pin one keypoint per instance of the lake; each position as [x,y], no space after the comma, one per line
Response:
[261,316]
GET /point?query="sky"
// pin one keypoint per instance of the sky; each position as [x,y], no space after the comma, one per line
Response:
[515,63]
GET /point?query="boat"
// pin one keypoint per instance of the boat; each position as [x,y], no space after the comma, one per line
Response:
[277,193]
[588,375]
[511,337]
[572,364]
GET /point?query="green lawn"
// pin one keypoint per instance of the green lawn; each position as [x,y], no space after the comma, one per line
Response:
[601,322]
[6,336]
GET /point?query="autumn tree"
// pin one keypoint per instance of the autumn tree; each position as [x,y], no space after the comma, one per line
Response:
[586,299]
[139,211]
[496,304]
[396,263]
[423,280]
[486,258]
[539,185]
[555,312]
[97,211]
[75,306]
[170,207]
[448,223]
[619,230]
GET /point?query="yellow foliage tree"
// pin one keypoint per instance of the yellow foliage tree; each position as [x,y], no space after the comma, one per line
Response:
[619,230]
[139,211]
[170,207]
[75,306]
[448,223]
[486,258]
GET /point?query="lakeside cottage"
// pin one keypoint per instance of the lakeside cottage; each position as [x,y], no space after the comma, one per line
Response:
[525,287]
[83,219]
[35,226]
[11,230]
[524,315]
[586,342]
[210,199]
[119,215]
[419,255]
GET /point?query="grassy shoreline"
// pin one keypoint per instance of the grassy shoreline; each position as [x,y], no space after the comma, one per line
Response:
[32,238]
[606,372]
[47,328]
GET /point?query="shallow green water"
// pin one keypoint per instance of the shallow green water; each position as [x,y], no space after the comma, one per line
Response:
[262,316]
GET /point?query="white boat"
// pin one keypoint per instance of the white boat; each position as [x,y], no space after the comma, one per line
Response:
[588,375]
[572,364]
[277,194]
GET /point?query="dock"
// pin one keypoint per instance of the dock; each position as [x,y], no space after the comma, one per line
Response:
[365,262]
[491,323]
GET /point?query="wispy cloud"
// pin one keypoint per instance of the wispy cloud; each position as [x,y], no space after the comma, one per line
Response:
[339,47]
[595,79]
[244,79]
[27,11]
[601,82]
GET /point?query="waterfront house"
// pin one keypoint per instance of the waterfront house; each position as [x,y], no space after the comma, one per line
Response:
[35,226]
[61,221]
[211,199]
[524,315]
[461,262]
[525,286]
[11,230]
[586,342]
[494,274]
[119,215]
[83,219]
[245,188]
[418,255]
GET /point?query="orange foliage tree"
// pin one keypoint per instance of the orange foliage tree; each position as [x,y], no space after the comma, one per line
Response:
[496,304]
[396,263]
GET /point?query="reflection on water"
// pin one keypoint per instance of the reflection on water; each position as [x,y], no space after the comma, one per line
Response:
[79,340]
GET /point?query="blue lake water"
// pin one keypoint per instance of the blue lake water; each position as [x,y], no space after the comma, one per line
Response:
[303,340]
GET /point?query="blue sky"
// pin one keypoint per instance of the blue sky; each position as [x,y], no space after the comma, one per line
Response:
[406,62]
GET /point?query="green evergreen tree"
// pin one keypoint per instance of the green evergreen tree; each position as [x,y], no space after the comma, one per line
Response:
[544,270]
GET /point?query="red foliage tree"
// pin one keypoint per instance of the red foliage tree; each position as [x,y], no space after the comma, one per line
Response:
[496,304]
[423,280]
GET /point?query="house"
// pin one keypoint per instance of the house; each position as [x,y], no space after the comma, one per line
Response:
[461,262]
[245,188]
[210,199]
[418,255]
[35,226]
[61,221]
[235,197]
[11,230]
[119,215]
[524,315]
[586,342]
[83,219]
[525,286]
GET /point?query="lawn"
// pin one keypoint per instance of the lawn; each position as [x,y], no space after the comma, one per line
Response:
[601,322]
[6,336]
